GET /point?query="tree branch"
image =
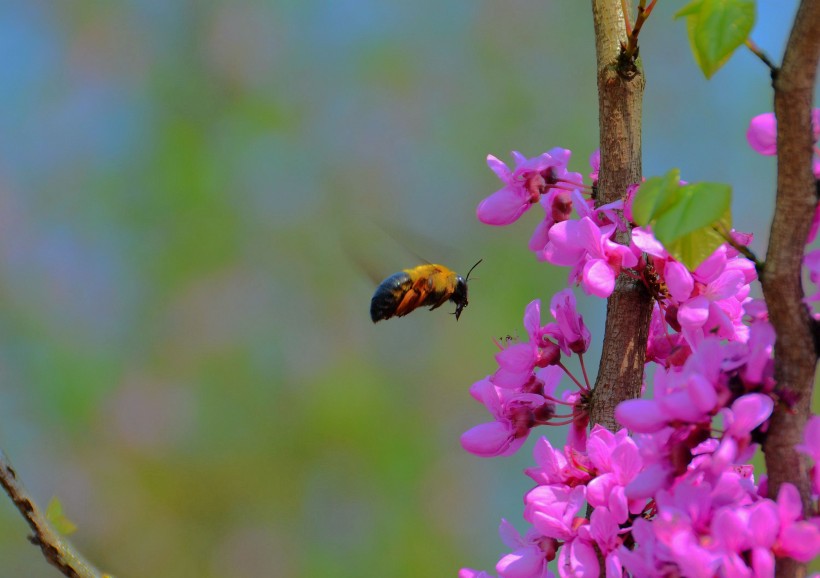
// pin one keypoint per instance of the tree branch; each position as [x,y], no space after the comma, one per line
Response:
[795,356]
[620,100]
[57,550]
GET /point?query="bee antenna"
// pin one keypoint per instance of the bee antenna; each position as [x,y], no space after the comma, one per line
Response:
[471,270]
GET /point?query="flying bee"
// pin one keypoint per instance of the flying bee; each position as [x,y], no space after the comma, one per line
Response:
[420,286]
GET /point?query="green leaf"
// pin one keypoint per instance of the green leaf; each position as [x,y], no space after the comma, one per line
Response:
[694,248]
[690,9]
[694,207]
[654,197]
[716,29]
[684,218]
[58,520]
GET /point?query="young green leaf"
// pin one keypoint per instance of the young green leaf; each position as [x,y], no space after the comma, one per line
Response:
[692,249]
[56,517]
[654,197]
[695,207]
[716,29]
[684,217]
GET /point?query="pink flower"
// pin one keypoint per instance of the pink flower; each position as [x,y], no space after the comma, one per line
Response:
[529,556]
[811,447]
[523,186]
[595,258]
[811,261]
[644,241]
[762,137]
[595,163]
[716,305]
[470,573]
[515,414]
[680,397]
[552,510]
[796,539]
[569,330]
[747,413]
[815,222]
[762,134]
[557,205]
[517,361]
[569,467]
[577,558]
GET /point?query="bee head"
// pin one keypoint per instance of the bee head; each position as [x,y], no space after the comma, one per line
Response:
[460,294]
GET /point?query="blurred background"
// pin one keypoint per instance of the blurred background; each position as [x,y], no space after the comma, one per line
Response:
[187,190]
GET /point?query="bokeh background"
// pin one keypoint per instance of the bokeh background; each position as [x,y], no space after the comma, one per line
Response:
[192,196]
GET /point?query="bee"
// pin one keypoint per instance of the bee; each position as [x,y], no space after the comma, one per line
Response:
[420,286]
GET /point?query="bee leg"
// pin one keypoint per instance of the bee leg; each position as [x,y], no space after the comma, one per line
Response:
[440,302]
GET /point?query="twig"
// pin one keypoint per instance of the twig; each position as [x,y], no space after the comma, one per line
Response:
[629,50]
[773,70]
[56,549]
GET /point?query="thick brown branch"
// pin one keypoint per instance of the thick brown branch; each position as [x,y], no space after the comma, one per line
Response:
[620,99]
[795,356]
[57,550]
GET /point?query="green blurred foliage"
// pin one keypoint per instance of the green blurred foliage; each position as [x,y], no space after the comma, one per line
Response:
[185,346]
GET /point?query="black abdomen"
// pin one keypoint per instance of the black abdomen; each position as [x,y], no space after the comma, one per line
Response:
[388,295]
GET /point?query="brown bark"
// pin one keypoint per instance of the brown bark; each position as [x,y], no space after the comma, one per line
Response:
[620,99]
[795,356]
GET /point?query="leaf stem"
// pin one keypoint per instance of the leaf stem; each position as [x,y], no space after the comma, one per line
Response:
[773,70]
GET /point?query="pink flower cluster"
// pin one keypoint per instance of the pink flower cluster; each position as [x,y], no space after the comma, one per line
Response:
[521,393]
[585,245]
[678,498]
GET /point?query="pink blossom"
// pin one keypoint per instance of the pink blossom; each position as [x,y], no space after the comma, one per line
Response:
[680,397]
[762,137]
[552,510]
[762,134]
[523,186]
[759,364]
[578,559]
[596,260]
[517,361]
[815,222]
[514,413]
[557,205]
[644,241]
[529,556]
[595,163]
[747,413]
[470,573]
[796,539]
[811,261]
[572,335]
[664,347]
[715,307]
[570,467]
[811,447]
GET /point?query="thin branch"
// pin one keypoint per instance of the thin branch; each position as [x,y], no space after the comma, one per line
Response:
[56,549]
